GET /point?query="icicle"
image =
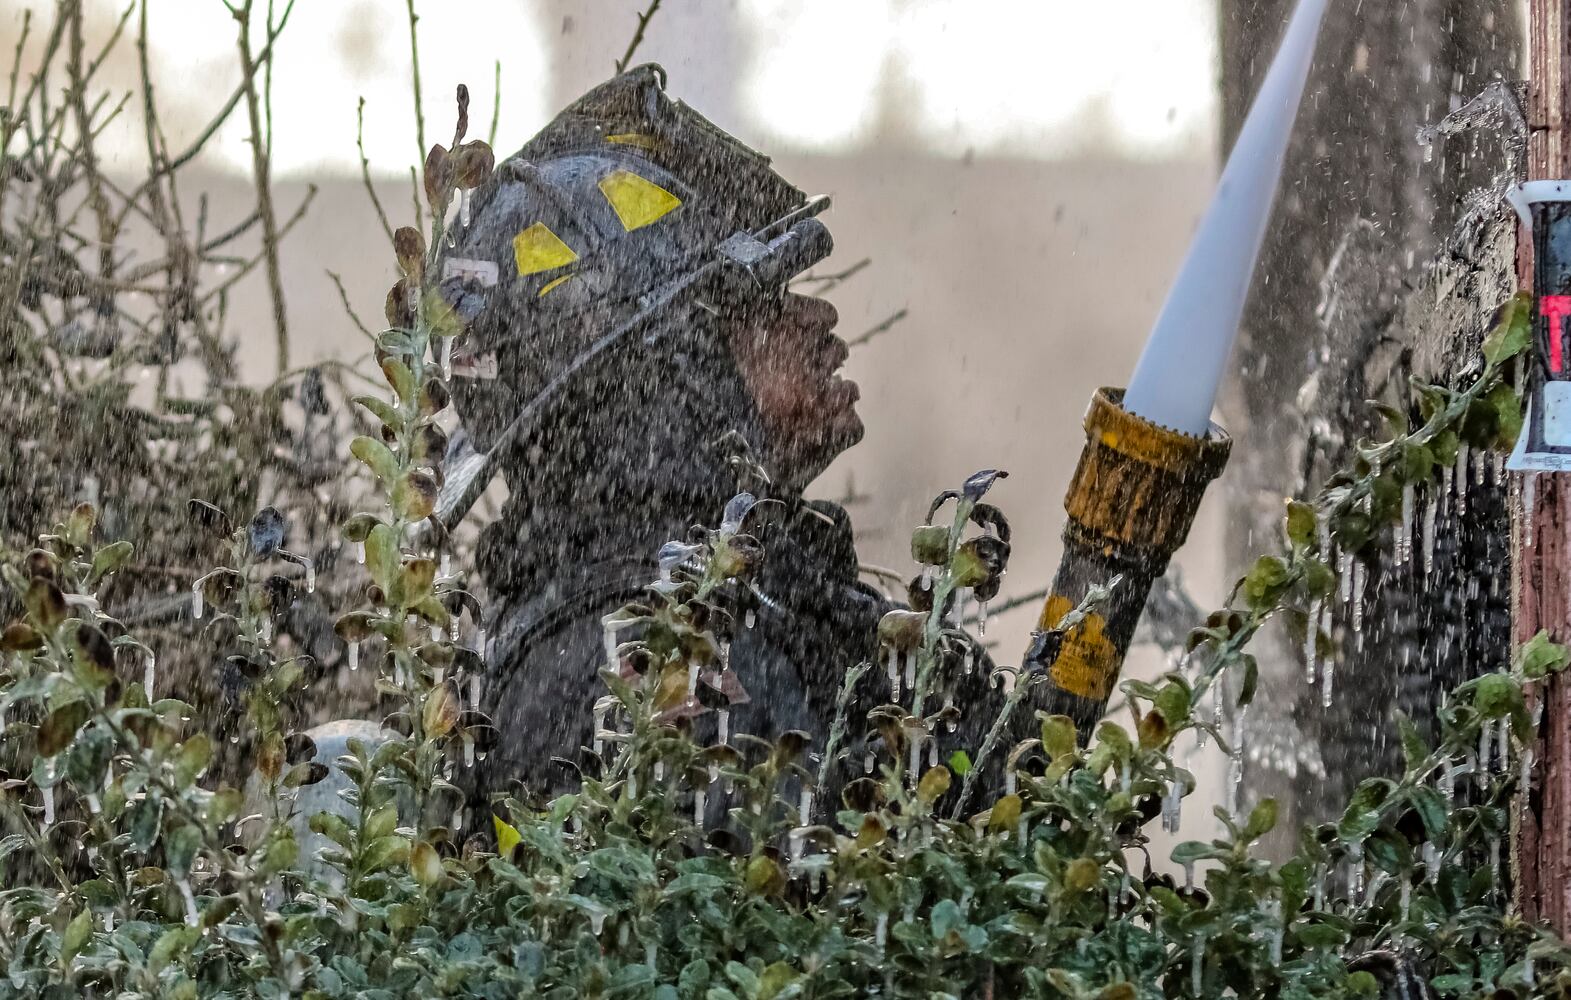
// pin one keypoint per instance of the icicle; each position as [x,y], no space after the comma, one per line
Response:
[446,565]
[1503,746]
[1431,505]
[1461,480]
[1406,898]
[1447,782]
[599,728]
[927,578]
[148,669]
[360,553]
[1482,462]
[700,797]
[1355,873]
[354,655]
[2,720]
[1359,573]
[109,921]
[970,667]
[910,669]
[1320,887]
[750,619]
[192,918]
[49,807]
[1172,806]
[1404,540]
[1494,863]
[916,760]
[197,604]
[469,753]
[597,922]
[310,577]
[867,763]
[1524,782]
[949,726]
[1529,504]
[463,220]
[1274,915]
[447,357]
[1483,756]
[1344,574]
[1431,861]
[981,618]
[659,771]
[609,635]
[804,810]
[1311,644]
[692,679]
[266,631]
[1009,781]
[1189,876]
[932,753]
[723,726]
[651,948]
[894,675]
[1197,966]
[881,931]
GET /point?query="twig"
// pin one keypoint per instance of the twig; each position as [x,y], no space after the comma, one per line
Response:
[883,327]
[825,282]
[249,266]
[261,168]
[344,296]
[365,170]
[496,105]
[638,36]
[414,58]
[837,728]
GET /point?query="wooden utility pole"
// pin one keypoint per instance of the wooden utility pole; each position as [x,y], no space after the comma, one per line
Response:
[1542,571]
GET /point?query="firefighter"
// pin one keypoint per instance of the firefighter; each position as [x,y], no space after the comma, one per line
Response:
[623,279]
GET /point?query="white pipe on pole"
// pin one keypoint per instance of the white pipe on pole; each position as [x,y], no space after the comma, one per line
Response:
[1176,380]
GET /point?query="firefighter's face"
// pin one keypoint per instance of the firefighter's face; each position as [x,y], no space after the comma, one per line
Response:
[790,358]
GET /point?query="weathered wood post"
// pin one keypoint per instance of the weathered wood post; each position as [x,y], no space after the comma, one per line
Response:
[1542,570]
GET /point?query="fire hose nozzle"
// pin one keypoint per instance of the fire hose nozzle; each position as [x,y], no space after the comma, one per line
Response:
[1131,503]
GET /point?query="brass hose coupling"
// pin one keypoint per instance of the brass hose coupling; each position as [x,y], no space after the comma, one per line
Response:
[1131,504]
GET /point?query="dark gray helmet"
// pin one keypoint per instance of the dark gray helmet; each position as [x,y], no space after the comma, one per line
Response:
[600,236]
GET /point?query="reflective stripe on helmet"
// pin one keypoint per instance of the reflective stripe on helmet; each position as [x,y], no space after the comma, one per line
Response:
[538,249]
[636,201]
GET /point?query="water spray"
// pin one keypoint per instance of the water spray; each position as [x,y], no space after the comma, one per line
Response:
[1151,451]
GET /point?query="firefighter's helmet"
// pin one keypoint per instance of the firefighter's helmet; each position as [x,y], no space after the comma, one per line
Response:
[619,199]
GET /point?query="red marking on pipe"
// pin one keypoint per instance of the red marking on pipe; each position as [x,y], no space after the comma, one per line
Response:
[1555,308]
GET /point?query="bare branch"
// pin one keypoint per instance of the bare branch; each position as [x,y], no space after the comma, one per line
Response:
[638,36]
[883,327]
[365,170]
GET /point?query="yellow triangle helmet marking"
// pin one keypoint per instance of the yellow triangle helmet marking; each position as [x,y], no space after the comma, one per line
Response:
[552,284]
[638,139]
[637,202]
[538,249]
